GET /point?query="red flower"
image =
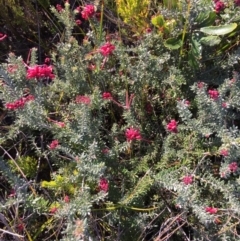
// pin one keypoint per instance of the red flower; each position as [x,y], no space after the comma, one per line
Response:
[40,71]
[133,134]
[233,167]
[66,199]
[105,151]
[224,152]
[20,103]
[53,210]
[59,8]
[237,2]
[149,108]
[211,210]
[83,99]
[106,49]
[12,193]
[60,124]
[103,184]
[214,94]
[172,126]
[219,6]
[53,145]
[187,180]
[107,96]
[148,30]
[20,227]
[88,11]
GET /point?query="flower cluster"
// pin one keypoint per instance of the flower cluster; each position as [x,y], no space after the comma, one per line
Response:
[133,134]
[106,49]
[211,210]
[237,2]
[187,180]
[233,167]
[83,99]
[224,152]
[107,96]
[214,94]
[40,71]
[53,145]
[103,184]
[219,6]
[88,12]
[20,103]
[172,126]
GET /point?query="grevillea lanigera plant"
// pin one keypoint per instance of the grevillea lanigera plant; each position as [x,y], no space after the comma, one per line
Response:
[106,141]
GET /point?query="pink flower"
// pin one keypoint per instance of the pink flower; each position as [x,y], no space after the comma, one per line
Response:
[107,96]
[224,152]
[66,199]
[149,108]
[105,151]
[214,94]
[106,49]
[172,126]
[12,68]
[224,105]
[53,145]
[60,124]
[59,8]
[78,22]
[91,66]
[219,6]
[187,180]
[2,36]
[83,99]
[133,134]
[88,11]
[187,102]
[47,60]
[200,85]
[12,193]
[78,9]
[53,210]
[233,167]
[103,184]
[211,210]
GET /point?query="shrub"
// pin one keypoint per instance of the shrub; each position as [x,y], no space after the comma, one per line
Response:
[125,141]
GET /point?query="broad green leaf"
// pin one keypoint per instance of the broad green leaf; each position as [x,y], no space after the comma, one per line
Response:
[219,30]
[196,46]
[158,20]
[210,40]
[192,60]
[208,21]
[173,43]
